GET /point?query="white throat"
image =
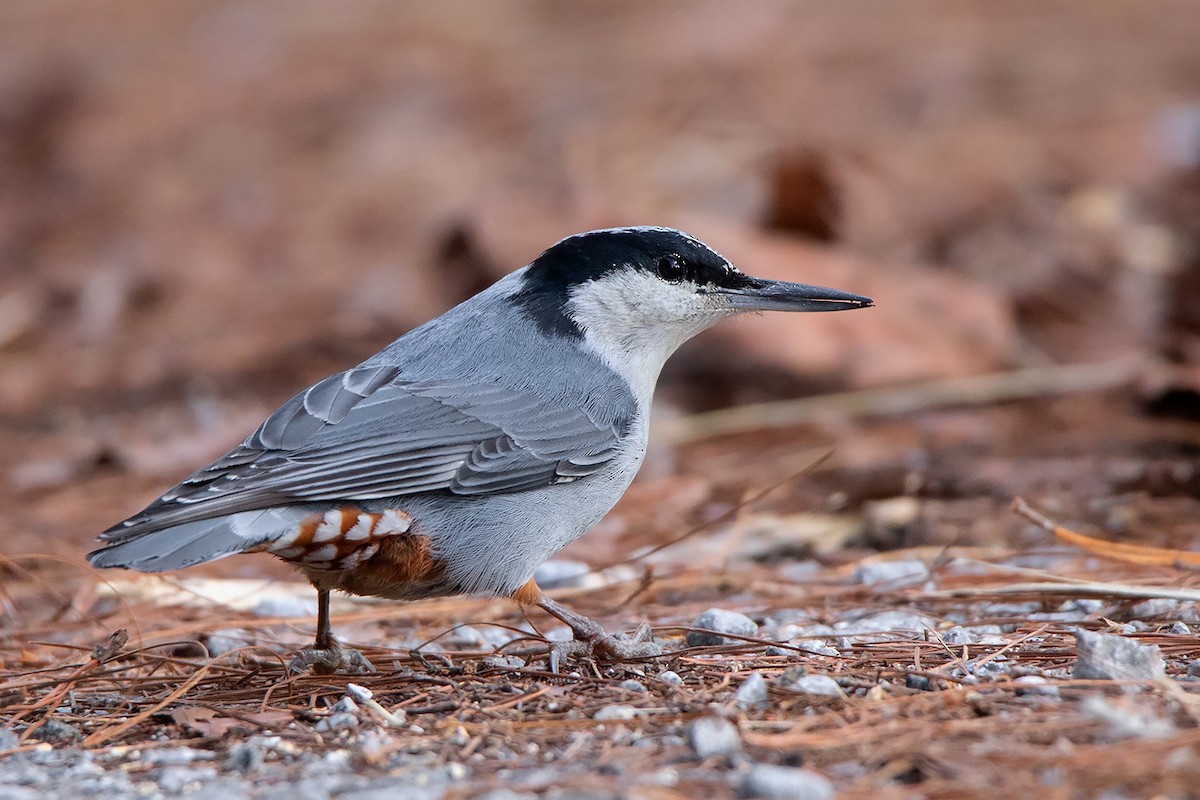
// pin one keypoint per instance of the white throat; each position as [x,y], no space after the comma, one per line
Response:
[634,321]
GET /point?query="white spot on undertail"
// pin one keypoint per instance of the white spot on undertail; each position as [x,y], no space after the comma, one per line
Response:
[393,522]
[361,528]
[330,527]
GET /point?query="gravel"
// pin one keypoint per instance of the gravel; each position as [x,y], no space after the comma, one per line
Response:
[502,662]
[617,712]
[1035,685]
[284,606]
[785,783]
[717,621]
[181,780]
[55,731]
[341,721]
[1124,720]
[752,693]
[561,573]
[245,758]
[817,685]
[1166,609]
[714,736]
[977,634]
[889,624]
[1108,657]
[394,788]
[225,640]
[174,756]
[892,573]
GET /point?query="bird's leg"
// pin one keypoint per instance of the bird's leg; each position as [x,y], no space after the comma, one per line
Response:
[325,640]
[590,637]
[326,656]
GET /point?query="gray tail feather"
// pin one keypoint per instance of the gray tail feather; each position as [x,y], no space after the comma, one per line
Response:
[193,542]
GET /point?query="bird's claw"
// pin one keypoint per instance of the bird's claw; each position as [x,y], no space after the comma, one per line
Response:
[605,646]
[330,661]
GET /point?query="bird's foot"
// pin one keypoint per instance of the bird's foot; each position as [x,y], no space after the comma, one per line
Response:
[590,639]
[593,641]
[330,661]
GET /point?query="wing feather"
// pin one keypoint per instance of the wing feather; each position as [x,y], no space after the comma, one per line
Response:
[368,434]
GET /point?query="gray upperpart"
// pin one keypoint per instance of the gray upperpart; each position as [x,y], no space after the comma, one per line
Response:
[506,427]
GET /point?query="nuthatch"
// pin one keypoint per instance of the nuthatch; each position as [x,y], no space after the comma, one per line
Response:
[467,452]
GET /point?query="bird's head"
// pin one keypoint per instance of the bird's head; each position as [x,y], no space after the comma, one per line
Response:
[635,294]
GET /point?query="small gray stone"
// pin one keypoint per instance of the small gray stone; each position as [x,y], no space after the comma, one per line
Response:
[800,571]
[753,692]
[958,635]
[228,639]
[497,661]
[714,736]
[770,782]
[1126,720]
[55,731]
[337,722]
[507,794]
[975,634]
[616,712]
[1035,685]
[105,784]
[896,573]
[918,682]
[796,630]
[671,677]
[1107,657]
[1193,668]
[1156,608]
[560,573]
[9,739]
[632,686]
[988,670]
[484,637]
[400,786]
[285,606]
[1179,629]
[174,781]
[344,706]
[174,756]
[817,685]
[888,623]
[1082,605]
[245,758]
[716,621]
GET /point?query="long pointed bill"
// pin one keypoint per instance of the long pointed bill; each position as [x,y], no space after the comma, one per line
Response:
[765,295]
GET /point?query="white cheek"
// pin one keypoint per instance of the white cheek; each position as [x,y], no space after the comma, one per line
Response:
[634,321]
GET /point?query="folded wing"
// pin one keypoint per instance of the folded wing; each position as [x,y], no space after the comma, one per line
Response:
[366,434]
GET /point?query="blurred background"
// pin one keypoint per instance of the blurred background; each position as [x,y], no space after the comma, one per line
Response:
[204,206]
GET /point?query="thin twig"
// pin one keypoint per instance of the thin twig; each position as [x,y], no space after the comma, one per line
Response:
[977,390]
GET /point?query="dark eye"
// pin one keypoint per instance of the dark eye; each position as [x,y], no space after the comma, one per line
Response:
[671,269]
